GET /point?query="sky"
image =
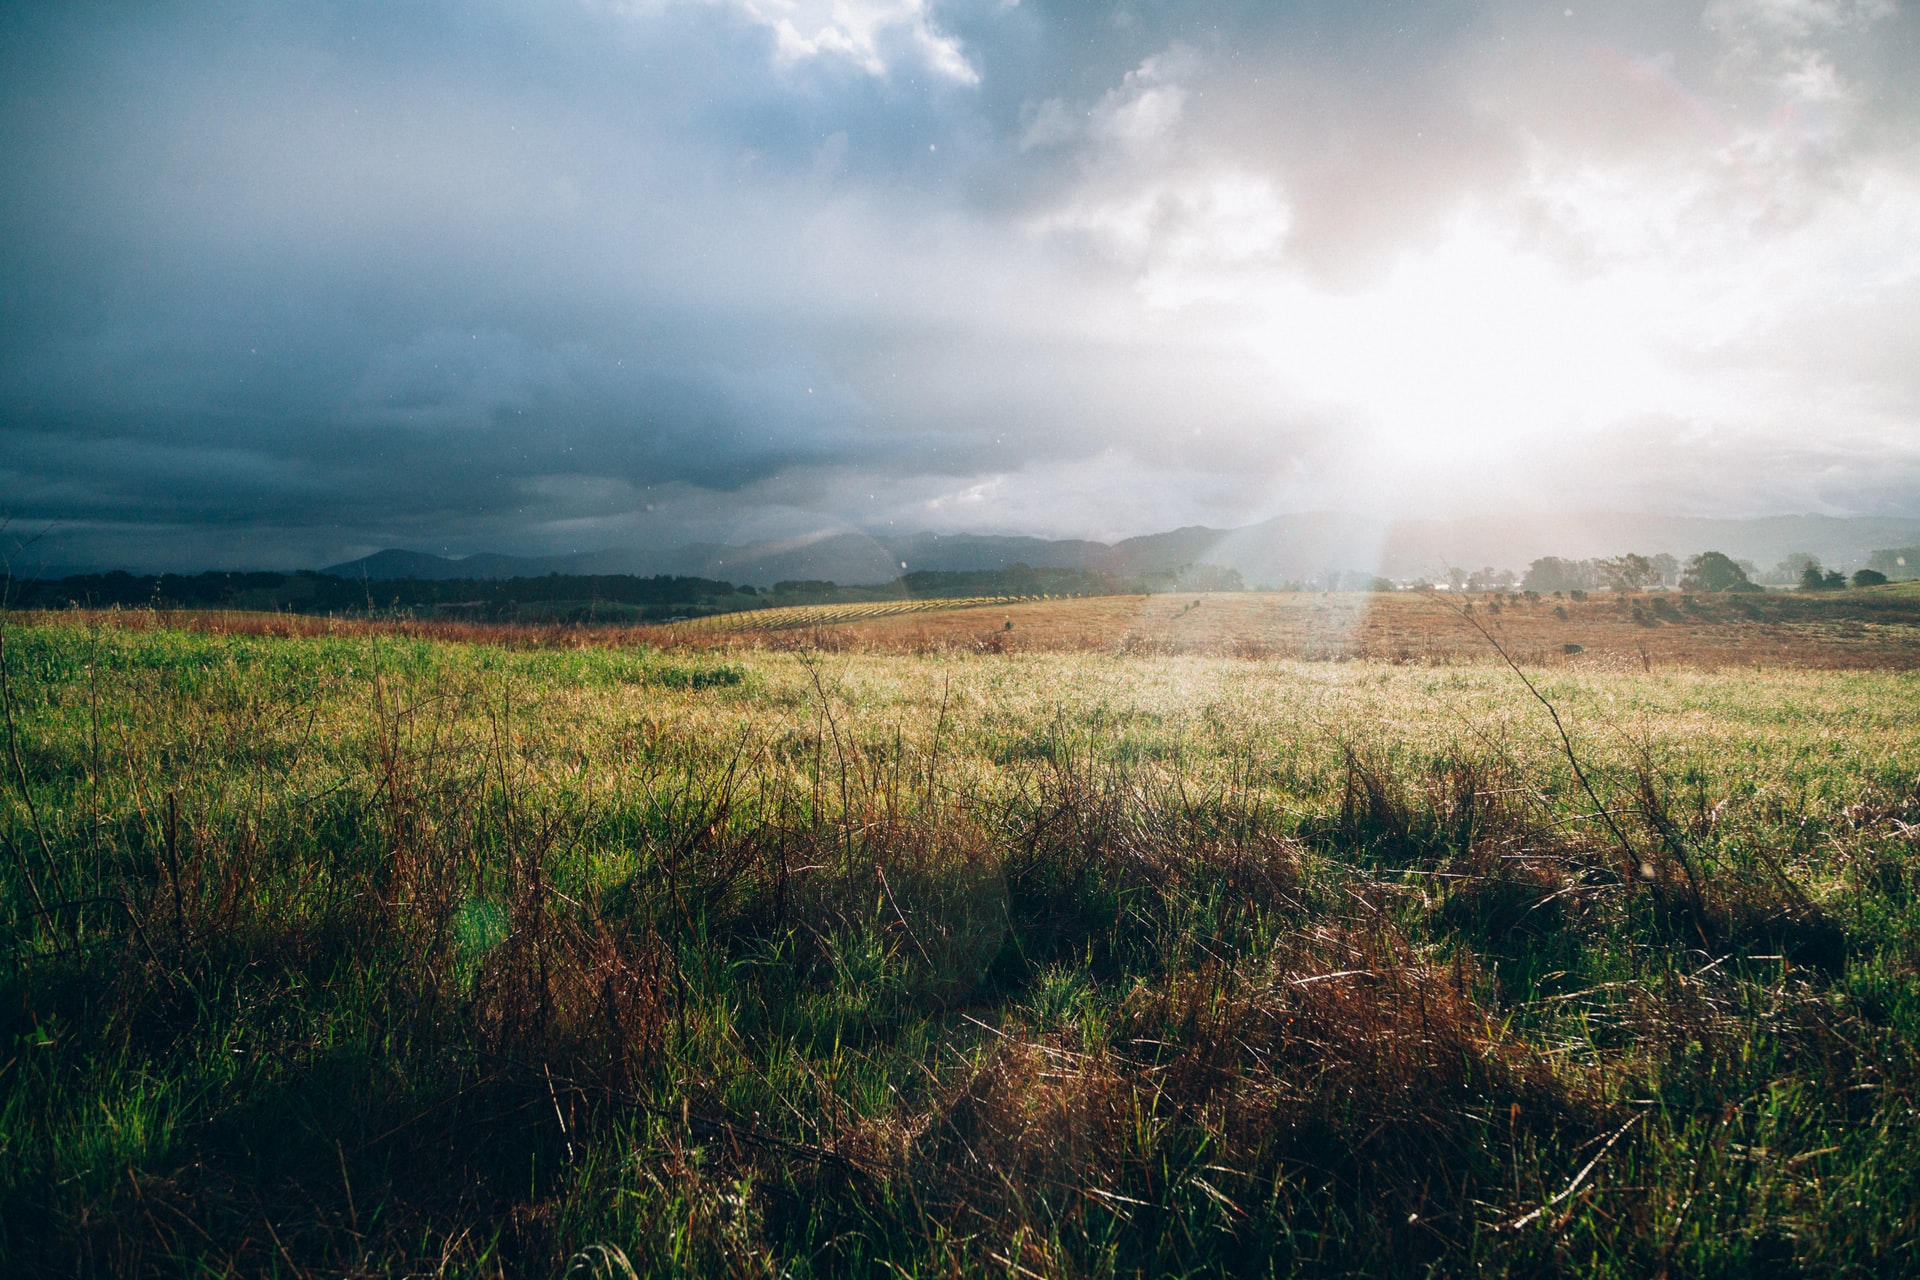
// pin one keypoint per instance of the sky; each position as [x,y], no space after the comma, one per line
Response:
[286,283]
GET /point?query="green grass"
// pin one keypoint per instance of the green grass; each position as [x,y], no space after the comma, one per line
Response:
[367,956]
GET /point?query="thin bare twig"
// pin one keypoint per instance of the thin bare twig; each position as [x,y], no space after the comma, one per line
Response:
[882,873]
[1566,743]
[1578,1178]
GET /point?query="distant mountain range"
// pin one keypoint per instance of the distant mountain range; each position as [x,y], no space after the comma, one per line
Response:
[1287,548]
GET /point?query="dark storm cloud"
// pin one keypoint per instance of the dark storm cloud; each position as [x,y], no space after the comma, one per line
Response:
[285,282]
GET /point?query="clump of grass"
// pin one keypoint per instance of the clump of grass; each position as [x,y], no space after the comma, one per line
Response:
[1231,1112]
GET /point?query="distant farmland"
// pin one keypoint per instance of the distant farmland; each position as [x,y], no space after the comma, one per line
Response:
[796,617]
[1877,627]
[1857,629]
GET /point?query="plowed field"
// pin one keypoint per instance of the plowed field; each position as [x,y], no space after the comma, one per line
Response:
[1858,629]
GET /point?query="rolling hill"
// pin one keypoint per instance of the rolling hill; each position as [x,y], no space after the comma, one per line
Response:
[1287,548]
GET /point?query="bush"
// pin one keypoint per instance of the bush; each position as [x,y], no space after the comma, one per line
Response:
[1813,578]
[1715,571]
[1869,578]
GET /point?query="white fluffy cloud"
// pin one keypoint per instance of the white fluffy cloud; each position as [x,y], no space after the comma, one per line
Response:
[870,34]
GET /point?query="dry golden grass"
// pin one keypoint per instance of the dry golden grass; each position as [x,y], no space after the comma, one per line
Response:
[809,616]
[1861,631]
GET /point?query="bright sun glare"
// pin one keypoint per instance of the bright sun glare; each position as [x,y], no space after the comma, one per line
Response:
[1473,344]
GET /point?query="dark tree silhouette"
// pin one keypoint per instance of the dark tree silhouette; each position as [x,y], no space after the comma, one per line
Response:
[1715,571]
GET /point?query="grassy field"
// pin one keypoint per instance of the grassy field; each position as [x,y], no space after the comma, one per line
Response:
[372,953]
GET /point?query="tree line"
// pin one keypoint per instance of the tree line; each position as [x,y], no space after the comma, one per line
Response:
[1708,571]
[569,598]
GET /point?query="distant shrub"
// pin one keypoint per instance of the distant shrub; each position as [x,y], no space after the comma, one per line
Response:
[1629,572]
[1813,578]
[1551,573]
[1715,571]
[698,677]
[1869,578]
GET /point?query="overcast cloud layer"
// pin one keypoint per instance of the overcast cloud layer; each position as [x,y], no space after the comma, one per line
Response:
[280,285]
